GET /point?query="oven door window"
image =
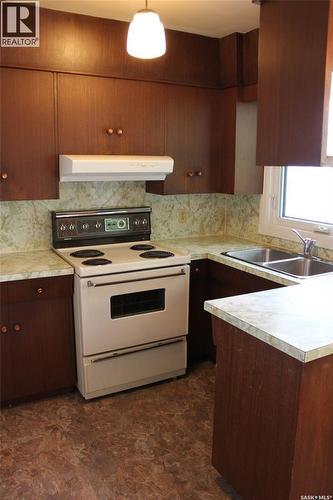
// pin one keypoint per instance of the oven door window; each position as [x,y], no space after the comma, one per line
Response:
[131,304]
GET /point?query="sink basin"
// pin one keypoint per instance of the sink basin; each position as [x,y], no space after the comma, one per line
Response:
[260,255]
[301,267]
[283,262]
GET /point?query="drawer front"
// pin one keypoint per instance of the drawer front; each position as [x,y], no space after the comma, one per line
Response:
[234,281]
[39,289]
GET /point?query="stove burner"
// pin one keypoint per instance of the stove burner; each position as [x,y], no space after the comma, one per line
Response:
[156,254]
[142,246]
[87,253]
[96,262]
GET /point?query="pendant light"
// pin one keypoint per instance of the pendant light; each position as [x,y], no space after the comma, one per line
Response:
[146,36]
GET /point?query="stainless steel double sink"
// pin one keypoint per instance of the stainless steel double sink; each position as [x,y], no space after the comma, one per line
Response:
[289,263]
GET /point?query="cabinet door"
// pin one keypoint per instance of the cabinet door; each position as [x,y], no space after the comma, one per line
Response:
[109,116]
[291,84]
[3,310]
[28,153]
[250,57]
[199,341]
[227,281]
[190,140]
[37,352]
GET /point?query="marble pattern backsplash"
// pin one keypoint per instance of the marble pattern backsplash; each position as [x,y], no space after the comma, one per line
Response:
[242,221]
[26,225]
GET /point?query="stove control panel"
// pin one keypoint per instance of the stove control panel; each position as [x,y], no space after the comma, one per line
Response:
[100,226]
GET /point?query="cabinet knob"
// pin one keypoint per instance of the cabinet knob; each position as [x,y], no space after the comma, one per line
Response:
[197,269]
[4,176]
[199,173]
[40,290]
[109,131]
[4,329]
[120,131]
[190,174]
[17,327]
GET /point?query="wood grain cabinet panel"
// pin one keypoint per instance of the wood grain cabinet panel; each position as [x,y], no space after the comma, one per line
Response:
[200,341]
[192,134]
[239,59]
[28,152]
[250,57]
[109,116]
[212,280]
[273,431]
[37,346]
[239,173]
[76,43]
[231,60]
[293,58]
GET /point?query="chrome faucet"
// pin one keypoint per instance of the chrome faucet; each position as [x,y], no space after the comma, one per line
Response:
[308,243]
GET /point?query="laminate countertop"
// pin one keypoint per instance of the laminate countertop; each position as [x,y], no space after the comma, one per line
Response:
[211,247]
[29,265]
[297,320]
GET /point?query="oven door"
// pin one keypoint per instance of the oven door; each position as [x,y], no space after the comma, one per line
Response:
[130,309]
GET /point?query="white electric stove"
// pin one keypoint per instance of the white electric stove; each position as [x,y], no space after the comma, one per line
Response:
[130,299]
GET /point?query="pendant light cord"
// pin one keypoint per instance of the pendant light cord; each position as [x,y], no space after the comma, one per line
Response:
[146,3]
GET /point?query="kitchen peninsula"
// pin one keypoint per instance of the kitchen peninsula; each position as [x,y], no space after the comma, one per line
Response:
[273,426]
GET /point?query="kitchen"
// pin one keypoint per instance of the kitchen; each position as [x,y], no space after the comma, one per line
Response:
[166,249]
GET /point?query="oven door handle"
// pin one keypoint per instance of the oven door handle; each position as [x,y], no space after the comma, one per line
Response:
[95,285]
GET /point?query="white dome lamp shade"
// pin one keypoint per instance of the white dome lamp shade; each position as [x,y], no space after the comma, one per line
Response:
[146,35]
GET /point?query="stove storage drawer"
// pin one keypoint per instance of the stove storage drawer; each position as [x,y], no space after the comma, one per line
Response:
[113,372]
[39,289]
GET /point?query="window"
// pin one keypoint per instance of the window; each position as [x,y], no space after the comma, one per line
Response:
[300,198]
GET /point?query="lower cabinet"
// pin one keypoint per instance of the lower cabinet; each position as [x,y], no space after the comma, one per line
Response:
[200,342]
[211,280]
[37,338]
[273,426]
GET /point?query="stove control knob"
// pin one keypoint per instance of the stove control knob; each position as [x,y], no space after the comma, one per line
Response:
[71,227]
[85,226]
[62,227]
[137,222]
[98,225]
[144,222]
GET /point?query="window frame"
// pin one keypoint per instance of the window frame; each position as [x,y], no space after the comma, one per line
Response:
[272,224]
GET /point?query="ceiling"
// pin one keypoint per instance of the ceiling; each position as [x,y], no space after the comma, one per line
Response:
[214,18]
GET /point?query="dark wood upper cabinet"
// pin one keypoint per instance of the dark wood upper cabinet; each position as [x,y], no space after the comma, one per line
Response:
[28,152]
[295,67]
[100,100]
[231,60]
[110,116]
[192,121]
[238,173]
[239,59]
[211,135]
[82,44]
[250,42]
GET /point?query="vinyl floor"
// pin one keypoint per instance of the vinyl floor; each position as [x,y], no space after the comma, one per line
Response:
[146,444]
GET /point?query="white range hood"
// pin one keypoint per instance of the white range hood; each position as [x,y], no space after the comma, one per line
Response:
[78,168]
